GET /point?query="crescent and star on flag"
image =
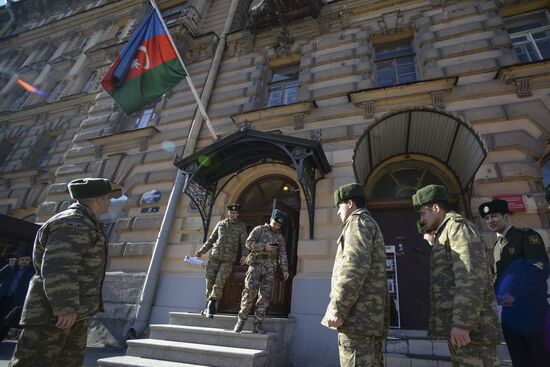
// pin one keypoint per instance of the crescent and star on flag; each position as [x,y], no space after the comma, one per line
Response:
[136,62]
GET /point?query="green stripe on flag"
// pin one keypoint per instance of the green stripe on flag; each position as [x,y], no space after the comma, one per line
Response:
[136,93]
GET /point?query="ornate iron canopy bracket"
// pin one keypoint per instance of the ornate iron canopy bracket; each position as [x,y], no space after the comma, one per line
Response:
[210,169]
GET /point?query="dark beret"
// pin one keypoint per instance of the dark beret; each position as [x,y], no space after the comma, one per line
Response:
[429,194]
[493,206]
[234,207]
[27,251]
[84,188]
[278,216]
[348,191]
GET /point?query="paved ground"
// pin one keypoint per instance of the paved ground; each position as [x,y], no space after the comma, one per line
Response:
[92,354]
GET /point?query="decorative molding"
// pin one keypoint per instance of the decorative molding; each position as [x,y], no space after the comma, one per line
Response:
[299,121]
[368,109]
[402,90]
[123,141]
[523,87]
[437,99]
[290,110]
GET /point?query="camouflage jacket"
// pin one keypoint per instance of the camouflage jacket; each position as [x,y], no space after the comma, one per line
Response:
[70,258]
[256,241]
[461,291]
[359,291]
[225,241]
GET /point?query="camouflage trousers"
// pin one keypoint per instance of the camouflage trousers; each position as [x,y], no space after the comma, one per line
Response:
[217,273]
[357,350]
[474,355]
[259,280]
[48,346]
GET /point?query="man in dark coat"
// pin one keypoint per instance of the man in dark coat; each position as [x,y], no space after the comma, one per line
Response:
[14,283]
[521,273]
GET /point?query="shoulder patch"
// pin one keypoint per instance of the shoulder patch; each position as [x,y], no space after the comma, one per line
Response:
[534,239]
[74,223]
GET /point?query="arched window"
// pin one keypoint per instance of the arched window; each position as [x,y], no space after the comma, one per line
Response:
[400,180]
[261,193]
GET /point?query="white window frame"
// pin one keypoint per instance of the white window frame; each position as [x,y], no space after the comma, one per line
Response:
[529,32]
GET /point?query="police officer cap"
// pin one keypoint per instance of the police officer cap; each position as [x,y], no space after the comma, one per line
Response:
[234,207]
[493,206]
[348,191]
[84,188]
[429,194]
[278,216]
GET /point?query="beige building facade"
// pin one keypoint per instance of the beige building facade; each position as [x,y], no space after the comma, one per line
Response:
[391,94]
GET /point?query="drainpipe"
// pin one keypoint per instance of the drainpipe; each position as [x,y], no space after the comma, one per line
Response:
[11,21]
[180,184]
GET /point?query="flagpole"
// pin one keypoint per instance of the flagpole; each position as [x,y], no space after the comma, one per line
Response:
[189,81]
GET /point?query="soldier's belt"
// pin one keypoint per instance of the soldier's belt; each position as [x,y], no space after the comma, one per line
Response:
[265,257]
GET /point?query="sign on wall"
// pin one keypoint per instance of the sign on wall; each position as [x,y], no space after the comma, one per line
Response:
[515,202]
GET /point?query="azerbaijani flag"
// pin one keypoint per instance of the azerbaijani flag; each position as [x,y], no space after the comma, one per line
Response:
[147,67]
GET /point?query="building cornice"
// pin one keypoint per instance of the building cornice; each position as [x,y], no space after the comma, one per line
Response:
[85,19]
[65,104]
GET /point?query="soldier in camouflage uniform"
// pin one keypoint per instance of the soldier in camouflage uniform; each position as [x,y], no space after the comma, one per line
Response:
[359,301]
[224,241]
[267,250]
[521,269]
[69,256]
[463,306]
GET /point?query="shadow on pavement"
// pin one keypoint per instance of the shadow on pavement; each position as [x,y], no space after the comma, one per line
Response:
[92,354]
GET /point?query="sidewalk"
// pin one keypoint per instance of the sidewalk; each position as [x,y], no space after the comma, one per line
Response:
[92,354]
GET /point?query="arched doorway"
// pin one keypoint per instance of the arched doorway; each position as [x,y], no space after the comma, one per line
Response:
[403,151]
[257,201]
[389,193]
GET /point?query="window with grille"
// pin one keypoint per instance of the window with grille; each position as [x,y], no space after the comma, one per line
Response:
[530,34]
[146,117]
[282,89]
[57,90]
[91,84]
[394,64]
[19,102]
[171,15]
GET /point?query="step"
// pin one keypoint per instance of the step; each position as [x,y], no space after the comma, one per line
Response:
[129,361]
[226,321]
[212,336]
[195,353]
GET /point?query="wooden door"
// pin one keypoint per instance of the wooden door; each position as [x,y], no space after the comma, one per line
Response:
[413,264]
[256,210]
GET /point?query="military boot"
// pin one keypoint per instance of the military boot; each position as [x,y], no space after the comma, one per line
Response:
[239,326]
[211,309]
[257,328]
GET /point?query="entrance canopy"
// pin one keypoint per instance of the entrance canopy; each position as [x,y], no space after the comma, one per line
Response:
[421,131]
[211,168]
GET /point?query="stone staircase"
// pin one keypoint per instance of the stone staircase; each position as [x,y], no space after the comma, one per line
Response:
[191,340]
[413,348]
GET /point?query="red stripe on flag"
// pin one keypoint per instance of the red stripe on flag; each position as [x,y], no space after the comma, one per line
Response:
[151,53]
[108,82]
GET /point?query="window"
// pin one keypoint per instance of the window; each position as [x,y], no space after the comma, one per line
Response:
[91,84]
[283,87]
[394,64]
[530,34]
[57,90]
[399,181]
[171,15]
[6,148]
[19,102]
[145,118]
